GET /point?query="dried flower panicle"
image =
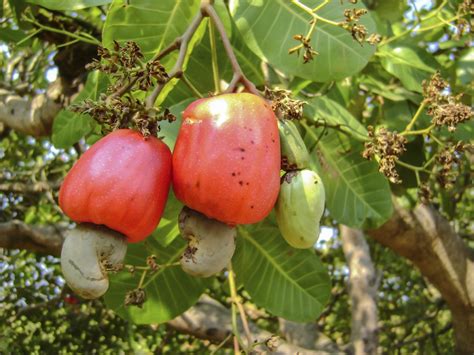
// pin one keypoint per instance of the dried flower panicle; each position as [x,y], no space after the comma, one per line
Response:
[283,105]
[449,161]
[464,25]
[425,195]
[121,112]
[445,108]
[136,297]
[305,44]
[388,147]
[357,30]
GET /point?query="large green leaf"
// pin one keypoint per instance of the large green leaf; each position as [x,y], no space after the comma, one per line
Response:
[357,195]
[169,291]
[68,5]
[323,108]
[409,64]
[288,282]
[152,24]
[70,127]
[269,25]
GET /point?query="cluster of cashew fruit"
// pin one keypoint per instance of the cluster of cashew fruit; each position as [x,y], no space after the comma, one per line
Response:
[225,169]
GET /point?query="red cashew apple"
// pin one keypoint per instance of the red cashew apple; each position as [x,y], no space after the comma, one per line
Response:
[226,161]
[121,182]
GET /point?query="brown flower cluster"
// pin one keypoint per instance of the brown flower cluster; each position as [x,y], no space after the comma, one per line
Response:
[449,161]
[463,25]
[308,52]
[124,64]
[117,112]
[136,297]
[283,105]
[445,108]
[357,30]
[388,147]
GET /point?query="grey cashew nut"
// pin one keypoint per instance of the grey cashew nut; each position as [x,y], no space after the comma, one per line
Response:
[86,251]
[211,243]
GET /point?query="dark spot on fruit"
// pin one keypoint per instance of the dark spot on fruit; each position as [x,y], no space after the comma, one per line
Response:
[233,174]
[252,142]
[273,140]
[241,183]
[247,183]
[242,158]
[198,184]
[251,206]
[12,111]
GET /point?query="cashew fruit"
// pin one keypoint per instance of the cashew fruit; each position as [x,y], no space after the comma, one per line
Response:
[121,182]
[299,208]
[211,243]
[294,154]
[226,161]
[86,252]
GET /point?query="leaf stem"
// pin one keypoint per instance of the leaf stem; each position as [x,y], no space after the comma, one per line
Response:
[239,76]
[191,86]
[88,39]
[233,295]
[415,117]
[177,70]
[340,127]
[215,65]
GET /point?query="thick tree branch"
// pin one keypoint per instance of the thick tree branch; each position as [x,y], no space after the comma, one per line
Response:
[425,238]
[307,335]
[39,239]
[208,319]
[362,291]
[33,116]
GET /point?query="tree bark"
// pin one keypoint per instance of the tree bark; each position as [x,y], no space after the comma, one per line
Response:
[427,239]
[33,116]
[362,291]
[307,335]
[208,319]
[39,239]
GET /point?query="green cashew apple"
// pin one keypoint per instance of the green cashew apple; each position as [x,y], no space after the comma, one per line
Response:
[299,208]
[294,155]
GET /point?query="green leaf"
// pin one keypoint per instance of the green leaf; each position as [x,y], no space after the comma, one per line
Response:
[63,5]
[465,68]
[391,91]
[269,25]
[70,127]
[357,195]
[168,230]
[409,64]
[323,108]
[290,283]
[13,36]
[169,291]
[152,24]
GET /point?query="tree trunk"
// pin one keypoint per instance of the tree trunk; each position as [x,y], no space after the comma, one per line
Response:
[425,238]
[362,291]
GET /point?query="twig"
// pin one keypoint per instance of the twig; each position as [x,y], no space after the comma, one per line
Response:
[239,76]
[215,65]
[177,70]
[233,295]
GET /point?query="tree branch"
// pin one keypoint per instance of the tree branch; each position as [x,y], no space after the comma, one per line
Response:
[33,116]
[362,291]
[208,319]
[39,239]
[427,239]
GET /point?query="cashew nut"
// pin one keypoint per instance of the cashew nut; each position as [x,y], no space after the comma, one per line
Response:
[211,243]
[87,251]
